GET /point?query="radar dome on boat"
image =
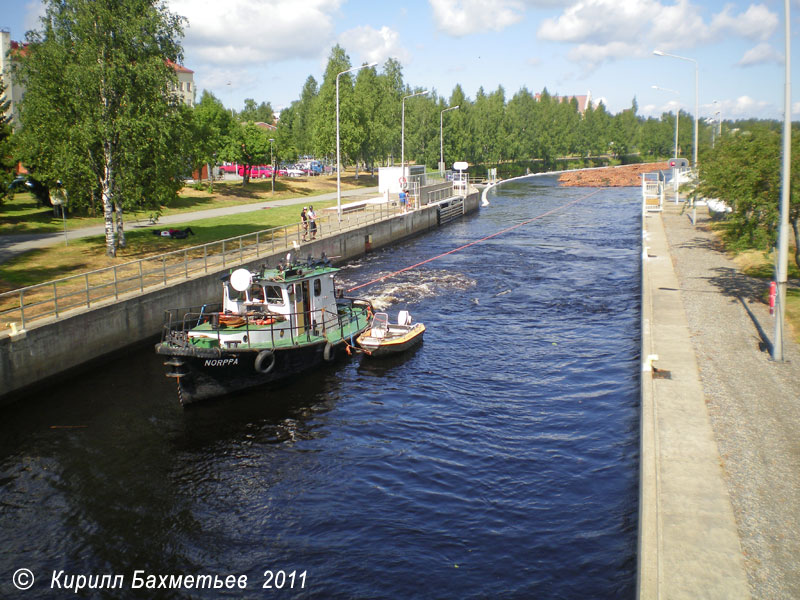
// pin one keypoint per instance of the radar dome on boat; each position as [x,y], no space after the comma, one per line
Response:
[241,279]
[461,165]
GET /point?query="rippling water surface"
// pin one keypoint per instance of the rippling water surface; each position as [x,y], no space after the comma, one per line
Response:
[498,459]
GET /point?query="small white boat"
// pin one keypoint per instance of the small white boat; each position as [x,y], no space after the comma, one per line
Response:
[384,338]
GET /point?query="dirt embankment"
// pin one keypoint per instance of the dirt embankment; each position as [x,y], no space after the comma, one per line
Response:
[624,176]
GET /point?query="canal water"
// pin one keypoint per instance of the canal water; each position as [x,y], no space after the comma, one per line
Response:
[499,459]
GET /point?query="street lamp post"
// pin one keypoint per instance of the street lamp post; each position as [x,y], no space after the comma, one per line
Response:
[338,154]
[272,162]
[696,108]
[677,117]
[782,262]
[441,137]
[403,129]
[655,87]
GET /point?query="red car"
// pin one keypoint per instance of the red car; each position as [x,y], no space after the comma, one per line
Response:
[255,171]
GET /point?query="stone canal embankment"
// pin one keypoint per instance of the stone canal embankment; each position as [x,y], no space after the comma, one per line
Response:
[46,350]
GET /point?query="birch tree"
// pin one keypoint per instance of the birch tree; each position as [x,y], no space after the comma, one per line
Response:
[100,112]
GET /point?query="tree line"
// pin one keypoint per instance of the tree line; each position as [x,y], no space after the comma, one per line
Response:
[101,120]
[744,169]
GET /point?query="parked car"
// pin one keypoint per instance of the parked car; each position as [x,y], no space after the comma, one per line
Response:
[20,183]
[26,183]
[227,168]
[261,171]
[313,167]
[255,171]
[295,171]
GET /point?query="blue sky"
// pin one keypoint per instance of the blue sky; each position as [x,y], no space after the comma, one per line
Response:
[265,49]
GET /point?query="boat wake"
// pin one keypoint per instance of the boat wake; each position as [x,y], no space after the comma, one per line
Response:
[412,286]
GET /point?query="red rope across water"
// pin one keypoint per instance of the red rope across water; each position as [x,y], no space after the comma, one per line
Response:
[507,229]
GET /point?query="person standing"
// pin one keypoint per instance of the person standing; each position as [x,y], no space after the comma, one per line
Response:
[304,218]
[312,220]
[403,199]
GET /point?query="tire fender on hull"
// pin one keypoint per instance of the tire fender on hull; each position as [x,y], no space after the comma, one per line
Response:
[265,361]
[329,354]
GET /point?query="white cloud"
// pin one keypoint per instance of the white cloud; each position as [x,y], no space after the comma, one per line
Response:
[756,23]
[244,31]
[606,30]
[761,54]
[796,108]
[592,55]
[375,45]
[598,21]
[34,10]
[746,107]
[462,17]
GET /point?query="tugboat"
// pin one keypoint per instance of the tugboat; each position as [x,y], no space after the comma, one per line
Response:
[271,324]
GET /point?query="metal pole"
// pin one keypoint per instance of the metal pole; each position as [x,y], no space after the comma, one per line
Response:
[403,130]
[338,152]
[338,156]
[696,110]
[781,267]
[441,137]
[696,96]
[272,160]
[403,137]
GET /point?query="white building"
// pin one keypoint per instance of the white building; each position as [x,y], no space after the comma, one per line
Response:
[13,92]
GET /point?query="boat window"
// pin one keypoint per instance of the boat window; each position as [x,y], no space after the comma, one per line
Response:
[317,287]
[274,295]
[256,293]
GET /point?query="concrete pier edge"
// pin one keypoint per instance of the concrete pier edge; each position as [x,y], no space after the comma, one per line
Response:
[688,544]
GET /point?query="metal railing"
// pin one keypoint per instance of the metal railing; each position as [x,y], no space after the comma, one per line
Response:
[178,322]
[652,191]
[53,299]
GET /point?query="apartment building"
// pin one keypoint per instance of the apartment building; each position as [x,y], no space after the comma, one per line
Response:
[13,91]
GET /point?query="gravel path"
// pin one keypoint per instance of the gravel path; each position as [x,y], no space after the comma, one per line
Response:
[753,402]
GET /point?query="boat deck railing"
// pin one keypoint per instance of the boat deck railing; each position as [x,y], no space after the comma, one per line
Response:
[352,316]
[51,300]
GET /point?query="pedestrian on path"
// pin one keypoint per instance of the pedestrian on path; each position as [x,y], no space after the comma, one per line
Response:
[312,219]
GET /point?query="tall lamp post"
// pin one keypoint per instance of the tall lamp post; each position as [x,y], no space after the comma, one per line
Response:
[272,161]
[696,108]
[403,129]
[782,263]
[677,117]
[441,137]
[655,87]
[338,154]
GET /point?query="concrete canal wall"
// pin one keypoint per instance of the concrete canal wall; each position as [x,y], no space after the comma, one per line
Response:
[38,356]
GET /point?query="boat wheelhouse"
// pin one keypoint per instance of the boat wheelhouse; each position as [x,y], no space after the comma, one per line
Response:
[271,324]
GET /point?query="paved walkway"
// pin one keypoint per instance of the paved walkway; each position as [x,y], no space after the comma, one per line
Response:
[12,245]
[722,457]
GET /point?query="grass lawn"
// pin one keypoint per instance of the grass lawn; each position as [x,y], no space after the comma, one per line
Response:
[757,263]
[87,254]
[21,214]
